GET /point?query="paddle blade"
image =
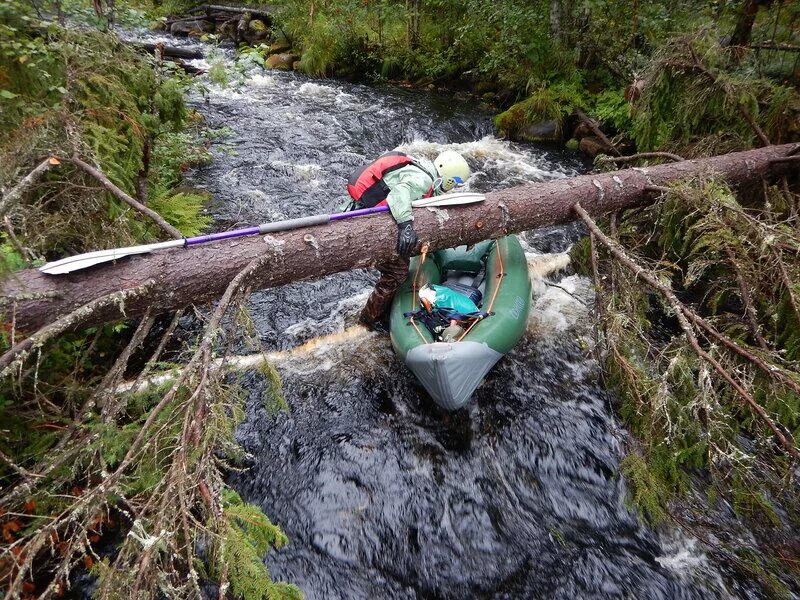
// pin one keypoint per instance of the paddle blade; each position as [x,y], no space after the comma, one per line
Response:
[457,199]
[90,259]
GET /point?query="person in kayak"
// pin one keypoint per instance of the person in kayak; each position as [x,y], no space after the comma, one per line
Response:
[397,179]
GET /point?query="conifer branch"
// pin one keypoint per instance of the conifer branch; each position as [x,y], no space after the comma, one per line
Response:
[126,198]
[679,308]
[16,356]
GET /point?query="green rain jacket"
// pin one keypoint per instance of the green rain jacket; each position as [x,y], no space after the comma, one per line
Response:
[407,184]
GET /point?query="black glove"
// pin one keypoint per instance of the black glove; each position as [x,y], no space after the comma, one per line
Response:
[406,238]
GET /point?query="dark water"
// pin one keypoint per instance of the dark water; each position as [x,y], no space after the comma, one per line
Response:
[381,493]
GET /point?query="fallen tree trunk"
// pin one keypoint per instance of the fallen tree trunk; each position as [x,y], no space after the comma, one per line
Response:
[199,275]
[260,13]
[169,51]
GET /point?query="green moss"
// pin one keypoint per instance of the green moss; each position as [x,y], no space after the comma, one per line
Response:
[545,103]
[647,493]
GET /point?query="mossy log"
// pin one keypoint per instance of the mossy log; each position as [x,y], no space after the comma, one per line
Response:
[201,274]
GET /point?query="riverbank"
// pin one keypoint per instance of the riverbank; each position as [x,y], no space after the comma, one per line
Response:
[599,86]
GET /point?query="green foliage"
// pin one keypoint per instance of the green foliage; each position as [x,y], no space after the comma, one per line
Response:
[184,210]
[648,493]
[544,103]
[703,241]
[86,93]
[274,401]
[683,110]
[10,259]
[248,535]
[612,109]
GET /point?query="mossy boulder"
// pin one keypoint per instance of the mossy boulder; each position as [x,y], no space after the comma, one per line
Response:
[256,32]
[521,124]
[280,46]
[283,61]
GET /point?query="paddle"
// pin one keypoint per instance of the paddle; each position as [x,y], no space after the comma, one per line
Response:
[89,259]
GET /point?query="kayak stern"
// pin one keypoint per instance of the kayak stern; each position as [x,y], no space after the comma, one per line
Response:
[450,372]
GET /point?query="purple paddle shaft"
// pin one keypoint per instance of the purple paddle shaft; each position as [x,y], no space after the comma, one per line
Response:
[223,235]
[359,213]
[283,225]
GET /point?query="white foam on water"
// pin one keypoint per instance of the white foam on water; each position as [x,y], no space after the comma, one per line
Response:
[683,556]
[308,172]
[315,90]
[227,93]
[267,205]
[492,153]
[262,81]
[562,306]
[199,63]
[333,322]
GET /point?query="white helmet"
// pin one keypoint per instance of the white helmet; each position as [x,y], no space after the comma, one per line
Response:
[452,168]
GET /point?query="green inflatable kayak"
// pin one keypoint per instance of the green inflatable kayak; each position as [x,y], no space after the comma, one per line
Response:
[494,273]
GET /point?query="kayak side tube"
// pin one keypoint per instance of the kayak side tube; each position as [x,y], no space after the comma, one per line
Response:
[451,372]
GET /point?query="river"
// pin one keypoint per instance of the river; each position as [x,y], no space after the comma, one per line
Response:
[381,493]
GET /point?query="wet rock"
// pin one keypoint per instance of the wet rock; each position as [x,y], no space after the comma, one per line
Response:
[280,47]
[257,31]
[543,130]
[483,87]
[297,66]
[592,146]
[196,27]
[283,61]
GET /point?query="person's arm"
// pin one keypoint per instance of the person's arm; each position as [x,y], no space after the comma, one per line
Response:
[412,184]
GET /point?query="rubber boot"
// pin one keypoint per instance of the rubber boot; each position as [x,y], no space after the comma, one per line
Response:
[393,274]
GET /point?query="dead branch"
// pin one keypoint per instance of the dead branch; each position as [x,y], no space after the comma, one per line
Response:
[158,351]
[780,47]
[785,159]
[747,301]
[24,252]
[16,193]
[105,390]
[679,308]
[17,355]
[644,155]
[121,195]
[596,130]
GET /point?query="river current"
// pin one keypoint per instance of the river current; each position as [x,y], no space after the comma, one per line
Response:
[382,494]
